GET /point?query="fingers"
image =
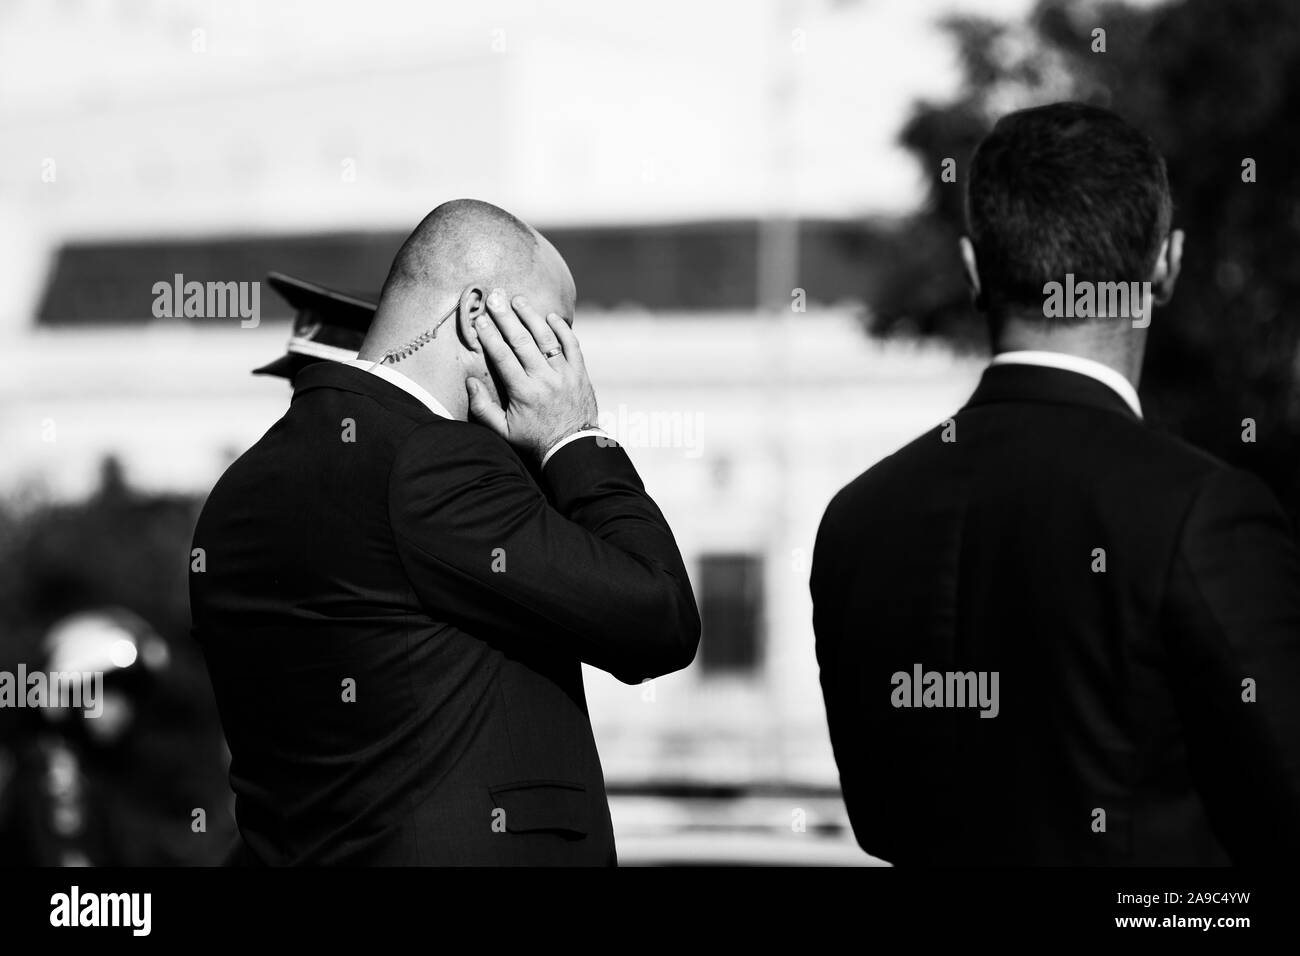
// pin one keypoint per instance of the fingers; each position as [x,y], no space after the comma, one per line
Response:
[516,335]
[497,350]
[568,341]
[536,325]
[484,409]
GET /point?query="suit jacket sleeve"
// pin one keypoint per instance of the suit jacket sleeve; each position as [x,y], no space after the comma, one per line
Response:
[1233,610]
[586,562]
[847,719]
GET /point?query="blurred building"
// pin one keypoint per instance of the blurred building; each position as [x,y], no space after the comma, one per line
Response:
[719,177]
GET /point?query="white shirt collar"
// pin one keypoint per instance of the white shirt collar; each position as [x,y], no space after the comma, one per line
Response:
[1076,363]
[405,383]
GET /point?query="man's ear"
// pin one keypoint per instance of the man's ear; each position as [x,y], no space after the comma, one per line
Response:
[1168,265]
[473,301]
[972,270]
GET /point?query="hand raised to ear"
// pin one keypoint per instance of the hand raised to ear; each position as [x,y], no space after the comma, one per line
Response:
[540,365]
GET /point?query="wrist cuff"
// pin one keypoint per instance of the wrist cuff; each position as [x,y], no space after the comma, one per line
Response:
[584,433]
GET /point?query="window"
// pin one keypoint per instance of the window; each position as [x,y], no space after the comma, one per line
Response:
[731,606]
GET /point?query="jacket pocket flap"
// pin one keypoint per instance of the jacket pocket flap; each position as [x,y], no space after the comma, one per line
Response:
[542,805]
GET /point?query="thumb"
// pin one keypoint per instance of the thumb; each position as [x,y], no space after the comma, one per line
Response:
[484,409]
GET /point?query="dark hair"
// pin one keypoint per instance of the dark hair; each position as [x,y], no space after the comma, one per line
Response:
[1065,188]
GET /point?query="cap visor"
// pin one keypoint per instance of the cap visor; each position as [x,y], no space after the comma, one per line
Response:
[286,366]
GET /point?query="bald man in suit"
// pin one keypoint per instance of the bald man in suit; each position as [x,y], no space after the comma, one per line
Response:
[405,574]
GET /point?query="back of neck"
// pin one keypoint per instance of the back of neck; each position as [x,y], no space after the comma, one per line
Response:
[1115,344]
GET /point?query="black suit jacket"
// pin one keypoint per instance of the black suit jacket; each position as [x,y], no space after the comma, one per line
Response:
[394,626]
[1120,690]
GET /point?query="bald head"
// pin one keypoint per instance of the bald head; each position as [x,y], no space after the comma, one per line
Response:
[438,287]
[466,242]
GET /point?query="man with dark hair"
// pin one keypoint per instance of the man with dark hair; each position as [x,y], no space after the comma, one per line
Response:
[1048,634]
[1064,189]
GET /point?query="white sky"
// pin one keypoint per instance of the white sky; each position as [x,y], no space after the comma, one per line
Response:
[585,110]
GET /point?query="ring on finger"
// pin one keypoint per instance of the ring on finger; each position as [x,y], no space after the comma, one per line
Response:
[552,353]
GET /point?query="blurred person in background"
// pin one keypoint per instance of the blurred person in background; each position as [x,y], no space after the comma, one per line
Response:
[328,325]
[66,806]
[101,582]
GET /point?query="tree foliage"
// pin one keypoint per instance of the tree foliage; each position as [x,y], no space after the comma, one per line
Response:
[1214,84]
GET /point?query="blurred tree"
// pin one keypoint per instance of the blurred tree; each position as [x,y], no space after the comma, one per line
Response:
[1213,83]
